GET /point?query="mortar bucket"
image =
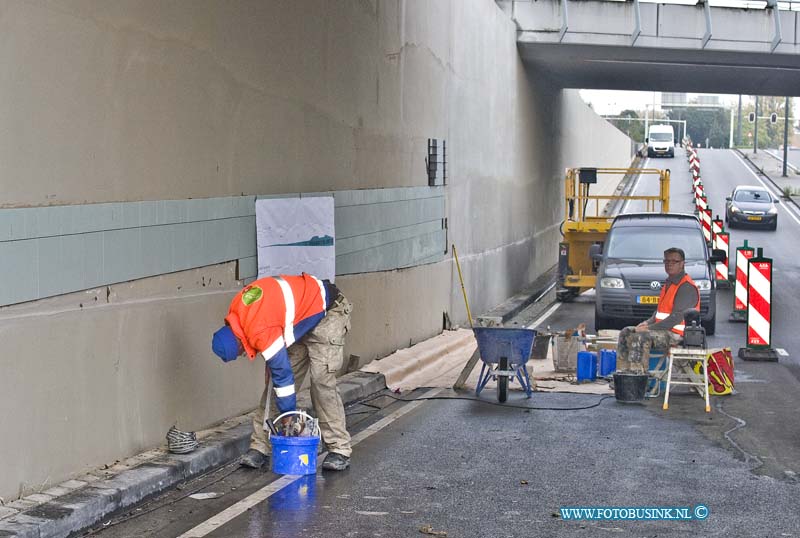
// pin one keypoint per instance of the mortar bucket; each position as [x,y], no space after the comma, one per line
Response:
[629,387]
[294,455]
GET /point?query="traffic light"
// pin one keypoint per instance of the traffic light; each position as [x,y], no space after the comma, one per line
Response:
[773,118]
[751,117]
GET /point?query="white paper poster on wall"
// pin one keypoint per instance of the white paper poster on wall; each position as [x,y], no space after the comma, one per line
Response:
[296,235]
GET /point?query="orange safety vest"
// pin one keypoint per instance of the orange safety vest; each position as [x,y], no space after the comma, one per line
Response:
[264,315]
[666,301]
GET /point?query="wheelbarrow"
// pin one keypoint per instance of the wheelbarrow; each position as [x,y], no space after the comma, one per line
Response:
[504,352]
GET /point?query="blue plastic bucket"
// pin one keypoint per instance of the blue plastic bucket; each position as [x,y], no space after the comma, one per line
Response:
[587,366]
[608,361]
[294,455]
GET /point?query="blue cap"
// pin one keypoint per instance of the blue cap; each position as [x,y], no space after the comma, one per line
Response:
[225,344]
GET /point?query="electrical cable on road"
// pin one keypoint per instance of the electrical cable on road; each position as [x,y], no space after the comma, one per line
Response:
[751,459]
[234,466]
[486,402]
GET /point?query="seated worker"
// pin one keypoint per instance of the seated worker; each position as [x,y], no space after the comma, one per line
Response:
[298,323]
[665,327]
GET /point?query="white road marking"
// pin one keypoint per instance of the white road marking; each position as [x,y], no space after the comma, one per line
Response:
[782,352]
[544,316]
[635,186]
[769,188]
[267,491]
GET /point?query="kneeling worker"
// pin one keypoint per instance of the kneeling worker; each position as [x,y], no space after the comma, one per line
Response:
[298,323]
[664,328]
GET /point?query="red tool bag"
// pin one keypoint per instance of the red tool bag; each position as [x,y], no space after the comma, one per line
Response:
[720,371]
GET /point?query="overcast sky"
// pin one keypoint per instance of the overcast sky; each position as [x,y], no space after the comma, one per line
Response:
[612,102]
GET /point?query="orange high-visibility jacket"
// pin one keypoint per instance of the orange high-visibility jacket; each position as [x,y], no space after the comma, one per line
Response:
[273,312]
[667,299]
[269,315]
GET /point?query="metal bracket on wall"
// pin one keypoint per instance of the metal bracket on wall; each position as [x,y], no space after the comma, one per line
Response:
[446,233]
[777,18]
[432,162]
[637,30]
[707,36]
[564,21]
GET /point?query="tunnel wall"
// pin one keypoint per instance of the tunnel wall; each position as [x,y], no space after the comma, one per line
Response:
[122,102]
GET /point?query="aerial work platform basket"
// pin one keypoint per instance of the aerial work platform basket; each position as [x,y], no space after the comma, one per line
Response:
[587,220]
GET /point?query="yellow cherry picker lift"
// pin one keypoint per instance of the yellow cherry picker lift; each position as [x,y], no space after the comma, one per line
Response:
[587,221]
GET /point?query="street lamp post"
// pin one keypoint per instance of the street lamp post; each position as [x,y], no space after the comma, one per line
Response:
[785,134]
[739,123]
[755,130]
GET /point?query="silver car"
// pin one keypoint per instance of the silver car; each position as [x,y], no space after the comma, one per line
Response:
[751,205]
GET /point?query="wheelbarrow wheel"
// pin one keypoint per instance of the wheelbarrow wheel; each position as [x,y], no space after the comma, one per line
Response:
[502,381]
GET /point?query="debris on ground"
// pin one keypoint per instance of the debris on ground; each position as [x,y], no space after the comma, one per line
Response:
[427,529]
[204,496]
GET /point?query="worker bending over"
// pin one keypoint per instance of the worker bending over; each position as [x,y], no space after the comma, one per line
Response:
[298,323]
[664,328]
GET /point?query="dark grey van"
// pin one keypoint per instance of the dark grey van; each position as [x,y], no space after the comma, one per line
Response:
[631,268]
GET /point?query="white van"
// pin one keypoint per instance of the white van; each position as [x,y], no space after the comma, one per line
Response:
[660,141]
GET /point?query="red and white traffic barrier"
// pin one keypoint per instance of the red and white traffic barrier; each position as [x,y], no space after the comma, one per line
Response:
[722,242]
[716,227]
[743,256]
[696,182]
[702,201]
[706,215]
[759,310]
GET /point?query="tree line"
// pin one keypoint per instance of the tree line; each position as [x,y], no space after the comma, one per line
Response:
[711,126]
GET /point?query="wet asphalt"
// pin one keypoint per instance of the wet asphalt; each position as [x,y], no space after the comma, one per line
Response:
[477,468]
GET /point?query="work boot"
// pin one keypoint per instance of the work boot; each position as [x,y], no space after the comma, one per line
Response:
[253,459]
[335,462]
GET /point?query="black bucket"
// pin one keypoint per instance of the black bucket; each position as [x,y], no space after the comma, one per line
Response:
[630,387]
[541,343]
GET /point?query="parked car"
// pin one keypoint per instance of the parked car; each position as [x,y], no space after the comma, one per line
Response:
[631,268]
[751,205]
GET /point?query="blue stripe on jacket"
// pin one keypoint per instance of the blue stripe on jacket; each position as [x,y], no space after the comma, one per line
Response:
[282,376]
[280,367]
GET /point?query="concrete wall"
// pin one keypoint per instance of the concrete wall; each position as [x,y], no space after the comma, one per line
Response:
[589,140]
[126,100]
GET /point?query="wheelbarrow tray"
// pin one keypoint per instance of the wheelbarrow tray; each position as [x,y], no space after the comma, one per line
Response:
[512,343]
[509,349]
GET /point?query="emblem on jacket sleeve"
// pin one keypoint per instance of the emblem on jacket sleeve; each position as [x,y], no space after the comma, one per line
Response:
[251,295]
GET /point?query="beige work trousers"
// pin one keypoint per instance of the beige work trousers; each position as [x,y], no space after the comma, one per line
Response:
[320,351]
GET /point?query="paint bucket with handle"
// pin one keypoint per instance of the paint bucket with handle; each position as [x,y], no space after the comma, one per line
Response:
[295,455]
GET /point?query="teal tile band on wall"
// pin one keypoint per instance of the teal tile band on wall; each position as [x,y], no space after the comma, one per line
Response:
[47,251]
